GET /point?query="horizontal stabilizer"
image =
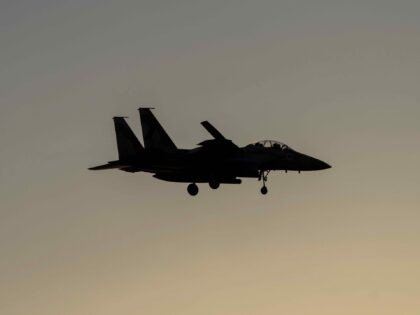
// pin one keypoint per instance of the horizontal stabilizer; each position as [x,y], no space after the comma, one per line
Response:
[110,165]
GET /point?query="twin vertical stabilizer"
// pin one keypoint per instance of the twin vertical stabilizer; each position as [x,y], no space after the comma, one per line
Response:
[130,148]
[128,145]
[154,136]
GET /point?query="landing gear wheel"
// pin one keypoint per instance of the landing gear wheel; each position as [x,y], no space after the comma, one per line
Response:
[264,176]
[192,189]
[214,184]
[264,190]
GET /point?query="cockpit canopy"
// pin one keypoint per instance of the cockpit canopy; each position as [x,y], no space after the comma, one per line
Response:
[270,144]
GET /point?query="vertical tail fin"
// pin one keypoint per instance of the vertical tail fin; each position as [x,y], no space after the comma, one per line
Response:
[154,136]
[128,144]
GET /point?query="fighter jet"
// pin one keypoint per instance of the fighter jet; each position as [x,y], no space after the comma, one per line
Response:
[215,161]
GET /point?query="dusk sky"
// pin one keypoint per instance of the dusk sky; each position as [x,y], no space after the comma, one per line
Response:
[338,80]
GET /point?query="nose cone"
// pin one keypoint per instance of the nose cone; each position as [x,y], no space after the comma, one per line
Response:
[318,165]
[309,163]
[322,165]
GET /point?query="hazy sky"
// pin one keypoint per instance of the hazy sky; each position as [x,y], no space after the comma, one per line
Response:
[338,80]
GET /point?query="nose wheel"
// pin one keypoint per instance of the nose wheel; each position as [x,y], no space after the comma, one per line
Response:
[264,177]
[192,189]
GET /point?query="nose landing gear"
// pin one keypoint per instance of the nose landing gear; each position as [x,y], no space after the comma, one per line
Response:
[264,190]
[192,189]
[264,176]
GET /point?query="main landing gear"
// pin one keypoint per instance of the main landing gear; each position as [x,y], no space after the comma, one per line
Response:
[192,189]
[264,176]
[214,184]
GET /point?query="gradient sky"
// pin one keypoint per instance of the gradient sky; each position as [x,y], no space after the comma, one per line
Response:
[338,80]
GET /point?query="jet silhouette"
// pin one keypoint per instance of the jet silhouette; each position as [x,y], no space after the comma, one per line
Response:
[216,161]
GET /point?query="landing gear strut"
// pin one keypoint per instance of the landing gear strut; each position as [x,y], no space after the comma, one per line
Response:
[192,189]
[264,176]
